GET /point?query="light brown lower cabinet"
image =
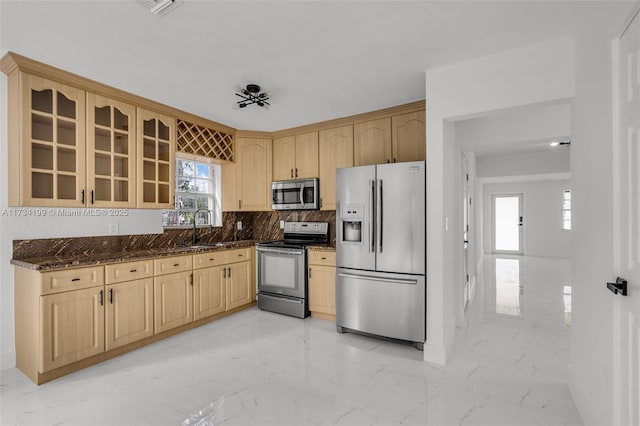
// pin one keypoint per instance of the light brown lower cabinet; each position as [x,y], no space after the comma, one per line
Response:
[72,318]
[322,284]
[239,288]
[173,300]
[209,291]
[72,326]
[223,282]
[129,312]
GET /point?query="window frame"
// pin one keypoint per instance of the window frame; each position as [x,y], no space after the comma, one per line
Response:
[214,195]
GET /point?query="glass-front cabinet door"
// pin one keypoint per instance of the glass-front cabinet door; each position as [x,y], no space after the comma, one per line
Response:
[111,153]
[53,150]
[156,135]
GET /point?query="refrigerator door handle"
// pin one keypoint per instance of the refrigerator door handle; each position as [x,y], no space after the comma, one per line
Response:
[381,217]
[384,280]
[372,216]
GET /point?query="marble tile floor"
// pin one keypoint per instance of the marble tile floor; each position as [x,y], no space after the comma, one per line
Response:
[508,366]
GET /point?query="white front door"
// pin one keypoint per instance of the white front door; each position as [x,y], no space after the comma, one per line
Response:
[507,223]
[626,310]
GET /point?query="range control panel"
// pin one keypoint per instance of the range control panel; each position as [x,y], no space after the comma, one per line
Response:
[306,227]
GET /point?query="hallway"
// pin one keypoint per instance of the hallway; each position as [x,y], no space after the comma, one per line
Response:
[510,360]
[508,367]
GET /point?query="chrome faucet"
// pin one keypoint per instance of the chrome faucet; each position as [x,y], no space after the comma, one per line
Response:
[195,232]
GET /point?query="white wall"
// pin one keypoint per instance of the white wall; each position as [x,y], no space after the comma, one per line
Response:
[14,226]
[526,163]
[536,74]
[542,233]
[525,125]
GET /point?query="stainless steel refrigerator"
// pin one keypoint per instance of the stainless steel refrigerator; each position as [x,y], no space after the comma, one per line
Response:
[380,250]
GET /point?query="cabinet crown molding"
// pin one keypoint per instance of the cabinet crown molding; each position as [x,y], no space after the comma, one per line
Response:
[11,61]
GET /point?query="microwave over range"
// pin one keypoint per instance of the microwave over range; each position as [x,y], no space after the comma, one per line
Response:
[298,194]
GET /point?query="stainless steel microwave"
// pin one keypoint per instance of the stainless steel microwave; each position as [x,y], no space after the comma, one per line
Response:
[299,194]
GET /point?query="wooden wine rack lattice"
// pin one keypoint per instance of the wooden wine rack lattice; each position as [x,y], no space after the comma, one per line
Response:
[198,140]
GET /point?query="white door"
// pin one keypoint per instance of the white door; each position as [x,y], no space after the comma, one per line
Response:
[626,309]
[507,223]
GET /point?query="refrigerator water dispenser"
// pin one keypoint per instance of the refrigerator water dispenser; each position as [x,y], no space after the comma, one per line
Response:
[351,218]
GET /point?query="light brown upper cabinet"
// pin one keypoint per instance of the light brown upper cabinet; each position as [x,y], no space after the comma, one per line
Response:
[408,133]
[372,142]
[253,174]
[111,153]
[295,157]
[335,151]
[47,142]
[156,136]
[390,140]
[229,191]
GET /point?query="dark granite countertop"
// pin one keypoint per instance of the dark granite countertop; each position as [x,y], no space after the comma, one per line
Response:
[79,260]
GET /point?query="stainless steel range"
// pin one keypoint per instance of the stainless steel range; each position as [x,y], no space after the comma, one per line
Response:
[281,268]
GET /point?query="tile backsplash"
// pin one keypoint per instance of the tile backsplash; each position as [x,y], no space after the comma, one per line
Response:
[261,226]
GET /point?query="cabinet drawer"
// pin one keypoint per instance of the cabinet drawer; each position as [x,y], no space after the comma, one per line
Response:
[169,265]
[128,271]
[221,257]
[318,257]
[71,279]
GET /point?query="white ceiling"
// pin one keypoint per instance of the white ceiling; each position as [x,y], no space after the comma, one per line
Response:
[321,59]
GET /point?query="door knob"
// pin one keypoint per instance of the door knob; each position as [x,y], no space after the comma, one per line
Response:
[619,287]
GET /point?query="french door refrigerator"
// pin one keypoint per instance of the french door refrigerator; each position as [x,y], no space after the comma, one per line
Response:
[380,250]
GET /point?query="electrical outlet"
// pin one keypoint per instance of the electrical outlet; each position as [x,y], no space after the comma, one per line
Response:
[113,229]
[282,224]
[239,225]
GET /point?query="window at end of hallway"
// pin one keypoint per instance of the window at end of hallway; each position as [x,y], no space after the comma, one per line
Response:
[198,186]
[566,210]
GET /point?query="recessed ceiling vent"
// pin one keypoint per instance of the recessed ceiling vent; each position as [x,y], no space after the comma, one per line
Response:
[160,7]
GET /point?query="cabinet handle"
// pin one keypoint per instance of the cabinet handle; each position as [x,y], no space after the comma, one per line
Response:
[176,264]
[101,297]
[211,259]
[296,172]
[133,270]
[111,296]
[309,272]
[239,204]
[229,273]
[82,197]
[191,278]
[75,279]
[323,258]
[394,160]
[224,273]
[291,172]
[240,255]
[92,199]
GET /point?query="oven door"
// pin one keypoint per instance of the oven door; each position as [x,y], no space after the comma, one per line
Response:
[281,271]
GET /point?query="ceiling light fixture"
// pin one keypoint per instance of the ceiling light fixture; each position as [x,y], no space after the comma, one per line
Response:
[160,7]
[555,144]
[252,95]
